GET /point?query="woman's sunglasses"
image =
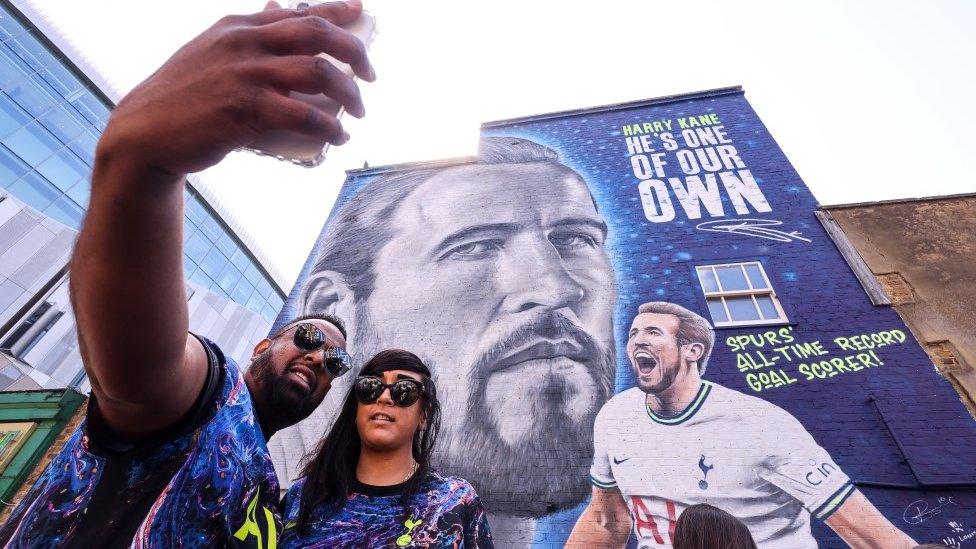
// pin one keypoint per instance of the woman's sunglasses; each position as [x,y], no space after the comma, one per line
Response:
[309,337]
[403,392]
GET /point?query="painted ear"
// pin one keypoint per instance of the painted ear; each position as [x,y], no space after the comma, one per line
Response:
[693,352]
[327,292]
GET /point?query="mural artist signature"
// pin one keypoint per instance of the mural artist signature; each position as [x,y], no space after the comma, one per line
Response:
[751,227]
[919,511]
[958,536]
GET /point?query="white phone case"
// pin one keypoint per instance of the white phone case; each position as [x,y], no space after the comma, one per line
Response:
[294,147]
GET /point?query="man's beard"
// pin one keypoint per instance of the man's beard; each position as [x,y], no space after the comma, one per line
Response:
[288,404]
[549,469]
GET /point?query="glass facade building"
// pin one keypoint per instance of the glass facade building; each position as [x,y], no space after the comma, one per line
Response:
[51,116]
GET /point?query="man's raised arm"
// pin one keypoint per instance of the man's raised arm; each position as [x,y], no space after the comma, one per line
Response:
[225,89]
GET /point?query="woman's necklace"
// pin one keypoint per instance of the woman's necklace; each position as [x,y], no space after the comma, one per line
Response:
[413,469]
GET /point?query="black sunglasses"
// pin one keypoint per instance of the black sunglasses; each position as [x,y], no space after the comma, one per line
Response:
[403,392]
[309,337]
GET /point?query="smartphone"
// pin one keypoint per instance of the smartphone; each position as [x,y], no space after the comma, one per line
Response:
[292,146]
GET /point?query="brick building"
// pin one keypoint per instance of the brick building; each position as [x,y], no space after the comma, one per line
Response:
[520,275]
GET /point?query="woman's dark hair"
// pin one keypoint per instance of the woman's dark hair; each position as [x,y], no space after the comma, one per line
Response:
[331,468]
[703,526]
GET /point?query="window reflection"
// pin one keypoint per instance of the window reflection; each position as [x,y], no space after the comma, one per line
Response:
[49,126]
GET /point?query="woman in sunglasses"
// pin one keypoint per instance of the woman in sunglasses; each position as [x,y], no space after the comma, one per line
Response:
[369,484]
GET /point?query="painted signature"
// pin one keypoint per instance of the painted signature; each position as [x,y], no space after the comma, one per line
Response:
[751,227]
[919,511]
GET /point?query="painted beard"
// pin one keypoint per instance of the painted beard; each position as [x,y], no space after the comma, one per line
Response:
[547,468]
[289,403]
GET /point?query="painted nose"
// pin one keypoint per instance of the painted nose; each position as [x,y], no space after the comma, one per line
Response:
[537,278]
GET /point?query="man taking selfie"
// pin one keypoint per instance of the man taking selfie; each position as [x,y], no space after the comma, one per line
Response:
[173,451]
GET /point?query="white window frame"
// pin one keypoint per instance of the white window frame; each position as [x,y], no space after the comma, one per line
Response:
[752,292]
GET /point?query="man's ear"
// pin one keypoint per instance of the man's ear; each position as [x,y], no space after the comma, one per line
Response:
[693,352]
[327,292]
[261,347]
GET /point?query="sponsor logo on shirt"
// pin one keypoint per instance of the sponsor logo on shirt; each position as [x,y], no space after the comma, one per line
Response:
[820,472]
[619,461]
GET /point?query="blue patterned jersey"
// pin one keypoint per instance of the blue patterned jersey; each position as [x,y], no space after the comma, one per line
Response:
[445,512]
[212,486]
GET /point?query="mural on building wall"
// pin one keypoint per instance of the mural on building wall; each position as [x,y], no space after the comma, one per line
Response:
[550,285]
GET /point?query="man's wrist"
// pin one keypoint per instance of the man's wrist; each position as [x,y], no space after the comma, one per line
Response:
[115,160]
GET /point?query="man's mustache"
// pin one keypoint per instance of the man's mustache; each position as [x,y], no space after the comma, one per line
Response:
[548,327]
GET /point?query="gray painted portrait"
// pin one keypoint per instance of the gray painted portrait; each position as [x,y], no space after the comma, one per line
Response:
[495,273]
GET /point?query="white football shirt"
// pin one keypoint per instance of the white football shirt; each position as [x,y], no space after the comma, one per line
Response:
[731,450]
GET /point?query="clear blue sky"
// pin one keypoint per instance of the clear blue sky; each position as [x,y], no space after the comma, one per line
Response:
[870,99]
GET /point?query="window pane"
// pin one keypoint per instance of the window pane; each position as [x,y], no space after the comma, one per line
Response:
[226,244]
[35,191]
[63,169]
[9,25]
[732,278]
[32,143]
[229,277]
[212,229]
[256,302]
[252,274]
[276,301]
[242,262]
[64,126]
[269,312]
[201,278]
[756,276]
[213,263]
[84,147]
[242,292]
[197,247]
[767,307]
[66,211]
[81,192]
[10,71]
[29,95]
[717,310]
[265,288]
[11,167]
[707,277]
[742,308]
[12,117]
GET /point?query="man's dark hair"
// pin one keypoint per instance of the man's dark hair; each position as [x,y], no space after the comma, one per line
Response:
[330,470]
[333,320]
[704,526]
[362,227]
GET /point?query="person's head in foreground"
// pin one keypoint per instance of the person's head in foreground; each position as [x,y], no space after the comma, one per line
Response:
[703,526]
[292,370]
[374,465]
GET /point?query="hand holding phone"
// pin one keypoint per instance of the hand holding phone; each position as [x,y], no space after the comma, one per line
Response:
[297,148]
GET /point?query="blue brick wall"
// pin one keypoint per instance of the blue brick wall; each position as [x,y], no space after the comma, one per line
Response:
[860,416]
[822,296]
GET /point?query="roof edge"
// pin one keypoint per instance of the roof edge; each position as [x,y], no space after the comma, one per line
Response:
[897,201]
[406,166]
[714,92]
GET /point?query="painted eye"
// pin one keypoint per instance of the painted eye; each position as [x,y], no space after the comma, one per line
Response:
[572,240]
[474,250]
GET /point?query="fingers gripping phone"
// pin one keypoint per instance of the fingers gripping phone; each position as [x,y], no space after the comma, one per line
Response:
[297,148]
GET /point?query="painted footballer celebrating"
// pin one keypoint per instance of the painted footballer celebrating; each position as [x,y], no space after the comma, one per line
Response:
[676,440]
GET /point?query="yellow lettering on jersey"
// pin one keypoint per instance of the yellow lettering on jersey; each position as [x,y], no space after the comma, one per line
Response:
[251,526]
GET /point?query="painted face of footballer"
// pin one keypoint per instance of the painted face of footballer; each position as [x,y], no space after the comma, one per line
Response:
[652,347]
